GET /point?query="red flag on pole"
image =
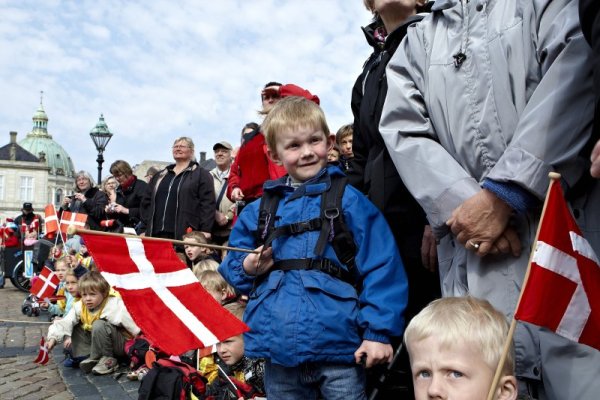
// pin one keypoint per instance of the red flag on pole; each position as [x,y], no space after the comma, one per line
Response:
[45,284]
[562,292]
[68,218]
[43,356]
[162,294]
[50,220]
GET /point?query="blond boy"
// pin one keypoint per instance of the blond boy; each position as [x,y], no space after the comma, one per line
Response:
[455,344]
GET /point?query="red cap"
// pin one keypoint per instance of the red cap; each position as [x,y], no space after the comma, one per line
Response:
[292,90]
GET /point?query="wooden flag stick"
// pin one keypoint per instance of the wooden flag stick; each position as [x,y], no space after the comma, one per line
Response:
[72,230]
[554,179]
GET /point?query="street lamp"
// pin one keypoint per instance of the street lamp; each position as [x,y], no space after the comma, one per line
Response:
[101,136]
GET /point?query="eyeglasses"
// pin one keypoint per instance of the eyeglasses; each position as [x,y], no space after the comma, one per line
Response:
[180,146]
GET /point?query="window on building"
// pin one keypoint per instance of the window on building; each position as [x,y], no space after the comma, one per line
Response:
[1,187]
[58,197]
[27,188]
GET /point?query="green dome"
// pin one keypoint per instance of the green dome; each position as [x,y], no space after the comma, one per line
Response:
[40,141]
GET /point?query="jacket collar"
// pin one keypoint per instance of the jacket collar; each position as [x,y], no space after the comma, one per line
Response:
[315,186]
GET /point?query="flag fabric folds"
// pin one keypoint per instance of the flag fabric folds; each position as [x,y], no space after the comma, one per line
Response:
[43,357]
[562,292]
[45,284]
[162,294]
[50,220]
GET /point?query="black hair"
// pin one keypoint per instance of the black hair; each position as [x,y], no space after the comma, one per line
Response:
[273,84]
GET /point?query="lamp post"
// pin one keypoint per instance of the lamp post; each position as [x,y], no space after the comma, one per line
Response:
[101,136]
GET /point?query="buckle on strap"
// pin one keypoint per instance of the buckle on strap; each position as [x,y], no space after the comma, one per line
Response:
[305,226]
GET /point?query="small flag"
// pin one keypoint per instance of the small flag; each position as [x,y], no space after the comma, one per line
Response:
[45,284]
[562,292]
[68,218]
[51,220]
[43,357]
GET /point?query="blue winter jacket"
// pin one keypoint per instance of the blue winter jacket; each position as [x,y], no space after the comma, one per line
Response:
[303,316]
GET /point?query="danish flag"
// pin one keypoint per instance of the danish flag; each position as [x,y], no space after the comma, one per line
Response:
[42,357]
[68,218]
[161,293]
[562,292]
[51,220]
[45,284]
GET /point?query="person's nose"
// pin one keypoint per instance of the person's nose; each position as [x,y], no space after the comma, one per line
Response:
[435,390]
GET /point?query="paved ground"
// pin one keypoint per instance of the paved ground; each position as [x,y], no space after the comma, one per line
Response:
[20,378]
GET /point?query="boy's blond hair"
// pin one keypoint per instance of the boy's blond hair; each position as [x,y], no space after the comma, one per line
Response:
[469,319]
[292,113]
[214,281]
[195,235]
[207,264]
[93,281]
[343,132]
[237,309]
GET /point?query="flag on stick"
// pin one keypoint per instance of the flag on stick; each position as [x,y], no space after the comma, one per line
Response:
[161,293]
[562,292]
[45,284]
[50,220]
[43,357]
[68,218]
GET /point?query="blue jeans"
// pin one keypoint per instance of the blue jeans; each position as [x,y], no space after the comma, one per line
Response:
[307,381]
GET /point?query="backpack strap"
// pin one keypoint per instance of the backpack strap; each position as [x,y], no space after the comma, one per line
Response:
[334,229]
[266,216]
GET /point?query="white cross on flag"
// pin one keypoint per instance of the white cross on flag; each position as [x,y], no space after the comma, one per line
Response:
[42,357]
[562,292]
[68,218]
[162,294]
[45,284]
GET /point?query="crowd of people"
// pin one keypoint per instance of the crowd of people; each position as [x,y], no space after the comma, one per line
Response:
[420,214]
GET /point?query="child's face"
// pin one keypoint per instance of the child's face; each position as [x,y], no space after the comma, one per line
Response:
[452,373]
[231,350]
[217,295]
[302,152]
[92,299]
[61,270]
[333,155]
[71,285]
[193,252]
[346,147]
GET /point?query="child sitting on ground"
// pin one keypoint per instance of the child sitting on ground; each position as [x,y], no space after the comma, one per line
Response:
[97,325]
[454,346]
[307,320]
[58,309]
[247,374]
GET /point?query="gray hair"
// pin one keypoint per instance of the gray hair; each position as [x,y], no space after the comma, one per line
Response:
[86,175]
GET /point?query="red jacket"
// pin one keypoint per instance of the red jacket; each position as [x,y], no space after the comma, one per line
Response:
[251,168]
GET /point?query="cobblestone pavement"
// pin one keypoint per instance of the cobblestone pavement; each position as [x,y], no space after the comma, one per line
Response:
[20,378]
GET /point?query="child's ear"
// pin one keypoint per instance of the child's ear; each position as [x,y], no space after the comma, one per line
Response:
[273,156]
[331,142]
[507,388]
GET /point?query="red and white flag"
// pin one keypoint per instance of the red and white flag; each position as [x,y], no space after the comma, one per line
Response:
[50,220]
[562,292]
[45,284]
[43,356]
[162,294]
[68,218]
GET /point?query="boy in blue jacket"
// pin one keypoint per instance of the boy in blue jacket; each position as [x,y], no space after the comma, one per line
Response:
[315,330]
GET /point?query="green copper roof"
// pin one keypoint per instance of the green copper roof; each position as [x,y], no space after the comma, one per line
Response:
[40,141]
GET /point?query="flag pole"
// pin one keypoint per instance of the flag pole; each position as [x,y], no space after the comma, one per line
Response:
[554,178]
[74,230]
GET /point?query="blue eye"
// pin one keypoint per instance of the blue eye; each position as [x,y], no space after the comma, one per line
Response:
[424,374]
[456,374]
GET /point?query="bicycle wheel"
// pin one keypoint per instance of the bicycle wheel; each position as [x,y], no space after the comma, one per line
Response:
[19,280]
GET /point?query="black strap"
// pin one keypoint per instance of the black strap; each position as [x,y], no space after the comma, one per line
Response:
[293,229]
[322,264]
[222,192]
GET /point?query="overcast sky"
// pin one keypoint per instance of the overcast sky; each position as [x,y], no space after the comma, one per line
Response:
[158,69]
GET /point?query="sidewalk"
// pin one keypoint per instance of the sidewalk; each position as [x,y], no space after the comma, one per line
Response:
[20,378]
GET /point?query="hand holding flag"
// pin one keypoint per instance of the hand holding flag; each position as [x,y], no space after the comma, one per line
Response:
[43,355]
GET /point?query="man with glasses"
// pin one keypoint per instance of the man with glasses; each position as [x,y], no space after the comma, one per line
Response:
[224,206]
